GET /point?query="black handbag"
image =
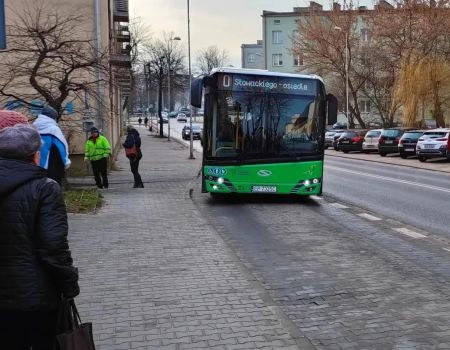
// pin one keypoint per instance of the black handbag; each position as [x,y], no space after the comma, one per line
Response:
[72,334]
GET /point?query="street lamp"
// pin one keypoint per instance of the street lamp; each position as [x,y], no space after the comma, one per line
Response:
[191,139]
[169,49]
[346,73]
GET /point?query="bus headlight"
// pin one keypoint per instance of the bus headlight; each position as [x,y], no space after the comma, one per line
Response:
[307,182]
[220,180]
[215,187]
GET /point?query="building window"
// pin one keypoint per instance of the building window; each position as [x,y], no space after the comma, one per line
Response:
[276,21]
[251,58]
[364,35]
[298,61]
[364,106]
[277,37]
[277,59]
[295,36]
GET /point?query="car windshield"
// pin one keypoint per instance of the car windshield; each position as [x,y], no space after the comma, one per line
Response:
[348,134]
[435,134]
[330,133]
[373,133]
[264,125]
[412,135]
[391,133]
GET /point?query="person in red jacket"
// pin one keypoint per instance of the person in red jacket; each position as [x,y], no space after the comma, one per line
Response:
[36,266]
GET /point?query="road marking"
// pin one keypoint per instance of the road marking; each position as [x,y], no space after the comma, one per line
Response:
[339,205]
[316,197]
[410,233]
[369,217]
[447,249]
[416,184]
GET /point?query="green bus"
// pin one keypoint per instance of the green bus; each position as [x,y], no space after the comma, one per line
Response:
[263,132]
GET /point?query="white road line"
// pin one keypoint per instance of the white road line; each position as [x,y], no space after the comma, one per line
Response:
[416,184]
[369,217]
[339,205]
[447,249]
[410,233]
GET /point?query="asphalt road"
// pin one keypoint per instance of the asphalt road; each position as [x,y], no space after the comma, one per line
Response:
[416,197]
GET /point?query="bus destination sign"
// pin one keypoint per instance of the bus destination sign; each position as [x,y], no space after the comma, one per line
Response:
[264,84]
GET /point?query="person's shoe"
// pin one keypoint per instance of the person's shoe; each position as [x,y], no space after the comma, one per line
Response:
[136,186]
[99,186]
[141,185]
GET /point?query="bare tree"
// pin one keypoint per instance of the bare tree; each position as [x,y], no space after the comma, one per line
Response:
[322,48]
[211,57]
[414,39]
[47,60]
[164,57]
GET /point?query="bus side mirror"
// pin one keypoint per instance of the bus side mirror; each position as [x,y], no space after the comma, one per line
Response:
[332,108]
[196,92]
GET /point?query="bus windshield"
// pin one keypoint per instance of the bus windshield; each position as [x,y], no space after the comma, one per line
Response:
[249,125]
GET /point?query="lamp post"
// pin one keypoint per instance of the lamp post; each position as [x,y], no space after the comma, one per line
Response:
[346,74]
[169,50]
[191,139]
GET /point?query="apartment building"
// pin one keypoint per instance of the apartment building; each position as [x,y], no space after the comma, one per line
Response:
[105,23]
[280,31]
[252,55]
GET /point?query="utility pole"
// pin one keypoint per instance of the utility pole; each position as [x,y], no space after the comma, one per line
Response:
[160,88]
[191,138]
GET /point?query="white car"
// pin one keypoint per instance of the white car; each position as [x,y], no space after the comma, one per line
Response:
[370,143]
[433,144]
[182,117]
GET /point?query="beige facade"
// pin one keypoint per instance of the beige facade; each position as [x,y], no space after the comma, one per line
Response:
[105,22]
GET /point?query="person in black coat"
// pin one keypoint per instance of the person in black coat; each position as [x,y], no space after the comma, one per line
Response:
[133,139]
[36,266]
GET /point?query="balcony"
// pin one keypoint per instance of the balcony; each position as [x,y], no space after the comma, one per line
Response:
[121,59]
[120,13]
[122,35]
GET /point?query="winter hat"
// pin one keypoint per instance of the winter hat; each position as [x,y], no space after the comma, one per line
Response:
[130,127]
[19,142]
[50,112]
[11,118]
[93,129]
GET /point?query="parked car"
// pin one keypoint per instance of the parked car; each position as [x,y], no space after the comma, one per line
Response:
[351,140]
[433,144]
[185,110]
[182,117]
[335,139]
[173,114]
[370,142]
[388,140]
[329,138]
[408,142]
[196,132]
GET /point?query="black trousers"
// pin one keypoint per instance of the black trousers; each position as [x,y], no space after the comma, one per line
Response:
[134,165]
[28,330]
[100,168]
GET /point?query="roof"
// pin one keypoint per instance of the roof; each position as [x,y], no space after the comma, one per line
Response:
[263,72]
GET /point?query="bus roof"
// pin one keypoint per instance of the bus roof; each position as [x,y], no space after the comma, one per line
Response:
[263,72]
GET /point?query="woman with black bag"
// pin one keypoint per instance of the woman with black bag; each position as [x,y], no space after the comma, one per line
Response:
[36,267]
[133,152]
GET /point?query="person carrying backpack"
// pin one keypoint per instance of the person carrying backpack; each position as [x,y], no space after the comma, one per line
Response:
[133,152]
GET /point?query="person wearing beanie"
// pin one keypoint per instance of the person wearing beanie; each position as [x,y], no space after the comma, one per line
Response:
[97,150]
[54,148]
[134,140]
[11,118]
[36,266]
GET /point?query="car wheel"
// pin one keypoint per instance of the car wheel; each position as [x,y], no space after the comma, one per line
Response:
[345,151]
[422,158]
[382,154]
[403,155]
[326,147]
[366,151]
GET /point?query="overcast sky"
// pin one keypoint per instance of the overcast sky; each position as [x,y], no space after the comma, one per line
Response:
[225,23]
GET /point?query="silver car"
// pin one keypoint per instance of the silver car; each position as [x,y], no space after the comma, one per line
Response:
[370,143]
[329,138]
[433,144]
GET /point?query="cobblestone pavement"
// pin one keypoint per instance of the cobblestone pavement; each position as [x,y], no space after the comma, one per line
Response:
[155,275]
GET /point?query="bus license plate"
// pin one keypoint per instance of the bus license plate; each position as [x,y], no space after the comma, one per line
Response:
[264,189]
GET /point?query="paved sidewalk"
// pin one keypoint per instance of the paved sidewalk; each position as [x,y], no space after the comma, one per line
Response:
[155,275]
